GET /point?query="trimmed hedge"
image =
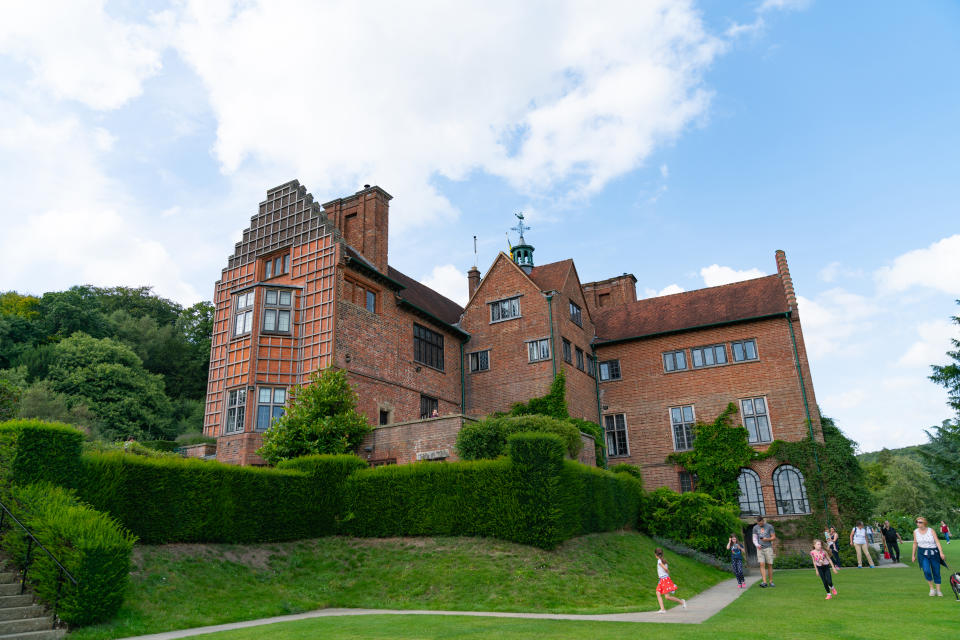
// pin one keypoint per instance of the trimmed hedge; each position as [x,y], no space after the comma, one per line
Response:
[188,500]
[38,451]
[695,519]
[535,497]
[487,439]
[92,546]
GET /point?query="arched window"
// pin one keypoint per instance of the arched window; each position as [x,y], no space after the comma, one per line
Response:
[751,497]
[790,490]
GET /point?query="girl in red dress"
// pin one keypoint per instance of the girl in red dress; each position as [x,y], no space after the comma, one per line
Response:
[665,586]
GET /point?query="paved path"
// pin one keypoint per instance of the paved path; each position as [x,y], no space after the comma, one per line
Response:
[699,608]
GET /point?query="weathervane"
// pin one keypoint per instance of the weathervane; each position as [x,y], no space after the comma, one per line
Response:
[520,228]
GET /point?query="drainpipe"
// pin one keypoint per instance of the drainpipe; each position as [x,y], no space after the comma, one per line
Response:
[553,350]
[806,407]
[596,385]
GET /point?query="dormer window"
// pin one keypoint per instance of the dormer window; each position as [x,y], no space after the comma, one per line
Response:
[276,265]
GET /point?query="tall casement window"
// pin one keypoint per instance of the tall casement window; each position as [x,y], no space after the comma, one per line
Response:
[751,496]
[270,401]
[567,355]
[480,361]
[756,420]
[790,490]
[276,266]
[236,411]
[429,407]
[505,309]
[370,301]
[744,350]
[674,361]
[615,428]
[538,350]
[243,313]
[576,314]
[609,370]
[580,358]
[681,419]
[591,366]
[688,481]
[276,310]
[708,356]
[427,347]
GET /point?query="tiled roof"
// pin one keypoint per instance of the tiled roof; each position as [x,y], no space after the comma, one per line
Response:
[550,277]
[426,298]
[703,307]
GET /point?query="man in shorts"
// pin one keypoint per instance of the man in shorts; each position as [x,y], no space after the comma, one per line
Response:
[763,536]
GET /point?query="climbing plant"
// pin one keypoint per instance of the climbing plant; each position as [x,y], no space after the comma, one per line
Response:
[554,404]
[720,451]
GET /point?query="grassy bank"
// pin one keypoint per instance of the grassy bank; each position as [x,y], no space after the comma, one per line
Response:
[182,586]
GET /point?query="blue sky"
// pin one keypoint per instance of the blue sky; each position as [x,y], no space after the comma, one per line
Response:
[680,142]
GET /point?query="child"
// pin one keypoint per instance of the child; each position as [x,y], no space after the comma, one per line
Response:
[822,564]
[665,585]
[736,559]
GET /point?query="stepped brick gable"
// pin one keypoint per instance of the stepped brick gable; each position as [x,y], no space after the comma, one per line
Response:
[311,286]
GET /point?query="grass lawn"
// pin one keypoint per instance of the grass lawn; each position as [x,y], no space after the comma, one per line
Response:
[183,586]
[872,603]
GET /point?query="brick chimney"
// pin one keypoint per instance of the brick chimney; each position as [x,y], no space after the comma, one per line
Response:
[473,280]
[363,219]
[784,272]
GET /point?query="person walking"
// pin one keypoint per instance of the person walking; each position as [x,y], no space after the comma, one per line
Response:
[665,586]
[945,530]
[833,546]
[763,537]
[925,541]
[822,565]
[892,537]
[736,560]
[858,538]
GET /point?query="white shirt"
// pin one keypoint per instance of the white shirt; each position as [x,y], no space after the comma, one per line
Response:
[926,540]
[661,572]
[859,535]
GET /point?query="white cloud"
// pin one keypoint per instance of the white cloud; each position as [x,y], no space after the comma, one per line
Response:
[783,5]
[836,270]
[666,291]
[932,346]
[843,401]
[738,29]
[448,280]
[715,275]
[549,96]
[835,321]
[936,267]
[77,52]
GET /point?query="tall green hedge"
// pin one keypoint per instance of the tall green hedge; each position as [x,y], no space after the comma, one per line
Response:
[38,451]
[93,547]
[187,500]
[695,519]
[487,439]
[535,497]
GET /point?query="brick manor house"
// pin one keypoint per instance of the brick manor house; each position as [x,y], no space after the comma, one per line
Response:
[309,287]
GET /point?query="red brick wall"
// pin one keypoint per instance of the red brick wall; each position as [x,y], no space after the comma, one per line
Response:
[611,292]
[363,218]
[581,387]
[198,450]
[433,438]
[381,367]
[588,454]
[646,392]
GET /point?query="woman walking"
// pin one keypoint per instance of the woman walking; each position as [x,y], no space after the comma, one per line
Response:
[822,564]
[736,559]
[945,530]
[665,586]
[926,541]
[858,538]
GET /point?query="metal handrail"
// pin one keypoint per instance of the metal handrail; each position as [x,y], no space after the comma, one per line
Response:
[31,541]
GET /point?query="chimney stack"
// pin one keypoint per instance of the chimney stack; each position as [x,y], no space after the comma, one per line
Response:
[784,272]
[473,280]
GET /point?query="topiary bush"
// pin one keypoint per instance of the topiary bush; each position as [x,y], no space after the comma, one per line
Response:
[37,451]
[693,518]
[487,439]
[93,547]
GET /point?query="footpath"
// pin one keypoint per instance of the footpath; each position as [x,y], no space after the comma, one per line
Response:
[699,608]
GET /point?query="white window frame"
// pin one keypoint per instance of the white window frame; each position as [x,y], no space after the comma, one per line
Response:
[683,421]
[712,349]
[766,414]
[540,343]
[671,357]
[511,305]
[733,350]
[273,404]
[243,305]
[236,413]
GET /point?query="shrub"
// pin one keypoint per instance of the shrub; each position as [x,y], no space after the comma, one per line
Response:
[487,439]
[160,445]
[173,499]
[693,518]
[36,451]
[848,554]
[792,560]
[632,469]
[92,546]
[195,437]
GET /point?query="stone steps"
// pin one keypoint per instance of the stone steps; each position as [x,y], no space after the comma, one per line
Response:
[20,618]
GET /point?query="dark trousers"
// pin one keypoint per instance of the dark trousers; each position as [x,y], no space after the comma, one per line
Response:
[894,549]
[738,569]
[836,555]
[825,577]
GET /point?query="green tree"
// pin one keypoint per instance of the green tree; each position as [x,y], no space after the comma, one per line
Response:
[109,378]
[40,401]
[909,490]
[9,400]
[321,418]
[948,375]
[720,451]
[941,457]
